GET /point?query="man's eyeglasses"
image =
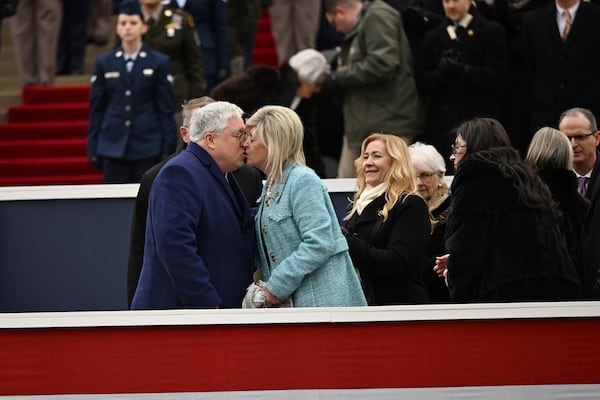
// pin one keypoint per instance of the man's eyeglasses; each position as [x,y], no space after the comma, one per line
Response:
[579,138]
[425,176]
[241,135]
[455,148]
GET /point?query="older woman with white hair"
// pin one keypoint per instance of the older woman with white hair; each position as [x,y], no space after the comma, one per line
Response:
[430,168]
[292,85]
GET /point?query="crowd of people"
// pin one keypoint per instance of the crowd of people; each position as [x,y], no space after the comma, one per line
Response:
[503,94]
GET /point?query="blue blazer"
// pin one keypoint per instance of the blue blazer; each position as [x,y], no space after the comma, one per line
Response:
[212,25]
[131,114]
[200,244]
[301,249]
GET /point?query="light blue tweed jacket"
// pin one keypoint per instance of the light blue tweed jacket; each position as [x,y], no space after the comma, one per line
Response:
[301,248]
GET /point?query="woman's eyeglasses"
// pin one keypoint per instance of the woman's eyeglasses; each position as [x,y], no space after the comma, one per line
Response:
[425,176]
[455,148]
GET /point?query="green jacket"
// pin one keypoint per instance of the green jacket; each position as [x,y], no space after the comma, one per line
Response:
[174,35]
[377,77]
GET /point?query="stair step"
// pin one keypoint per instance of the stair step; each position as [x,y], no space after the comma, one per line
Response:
[45,166]
[31,180]
[265,56]
[44,130]
[49,94]
[43,148]
[48,112]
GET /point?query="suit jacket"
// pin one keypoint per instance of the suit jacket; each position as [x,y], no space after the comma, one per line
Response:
[301,249]
[174,35]
[212,25]
[249,179]
[562,74]
[200,242]
[131,114]
[590,251]
[388,254]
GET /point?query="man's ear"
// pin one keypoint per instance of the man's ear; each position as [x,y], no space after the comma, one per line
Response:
[209,138]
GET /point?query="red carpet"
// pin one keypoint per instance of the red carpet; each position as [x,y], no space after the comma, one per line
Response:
[44,140]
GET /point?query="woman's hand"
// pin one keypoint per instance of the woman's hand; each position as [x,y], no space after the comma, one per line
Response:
[440,267]
[271,300]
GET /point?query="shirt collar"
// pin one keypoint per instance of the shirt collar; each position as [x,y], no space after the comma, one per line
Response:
[572,10]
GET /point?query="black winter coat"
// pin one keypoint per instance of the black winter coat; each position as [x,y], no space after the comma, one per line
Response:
[388,254]
[500,249]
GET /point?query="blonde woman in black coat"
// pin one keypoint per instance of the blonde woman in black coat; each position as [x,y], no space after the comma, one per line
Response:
[388,227]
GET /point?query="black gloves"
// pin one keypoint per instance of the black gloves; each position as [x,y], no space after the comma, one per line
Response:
[451,65]
[95,162]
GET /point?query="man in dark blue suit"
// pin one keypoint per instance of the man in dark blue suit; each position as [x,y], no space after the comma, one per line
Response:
[131,123]
[200,241]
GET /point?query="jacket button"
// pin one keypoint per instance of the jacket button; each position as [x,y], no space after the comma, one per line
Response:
[127,123]
[265,230]
[272,257]
[128,108]
[128,93]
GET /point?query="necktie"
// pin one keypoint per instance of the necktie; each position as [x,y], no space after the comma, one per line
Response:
[567,16]
[129,64]
[150,22]
[582,185]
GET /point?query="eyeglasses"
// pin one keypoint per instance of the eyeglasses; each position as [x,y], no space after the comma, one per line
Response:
[240,135]
[579,138]
[455,148]
[426,177]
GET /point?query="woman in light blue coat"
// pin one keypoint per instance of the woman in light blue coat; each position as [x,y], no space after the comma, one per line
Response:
[302,252]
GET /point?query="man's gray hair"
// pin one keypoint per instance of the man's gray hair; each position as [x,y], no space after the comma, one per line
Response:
[213,117]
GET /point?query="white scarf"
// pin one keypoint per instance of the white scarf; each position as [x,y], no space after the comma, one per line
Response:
[368,195]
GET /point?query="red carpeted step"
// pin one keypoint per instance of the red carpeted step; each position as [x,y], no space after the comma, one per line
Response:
[40,166]
[50,94]
[43,130]
[48,112]
[43,148]
[265,56]
[76,179]
[264,22]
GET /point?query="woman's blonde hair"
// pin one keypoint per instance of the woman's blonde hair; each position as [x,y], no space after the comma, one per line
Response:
[282,132]
[550,148]
[400,179]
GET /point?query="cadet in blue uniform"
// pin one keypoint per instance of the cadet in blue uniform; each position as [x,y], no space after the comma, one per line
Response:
[131,104]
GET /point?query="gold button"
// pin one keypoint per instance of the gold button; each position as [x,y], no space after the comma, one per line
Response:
[265,230]
[268,202]
[272,256]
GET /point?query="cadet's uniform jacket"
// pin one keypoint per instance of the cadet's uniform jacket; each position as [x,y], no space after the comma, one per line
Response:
[174,35]
[131,114]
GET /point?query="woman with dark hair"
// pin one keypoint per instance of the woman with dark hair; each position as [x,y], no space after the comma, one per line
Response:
[503,234]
